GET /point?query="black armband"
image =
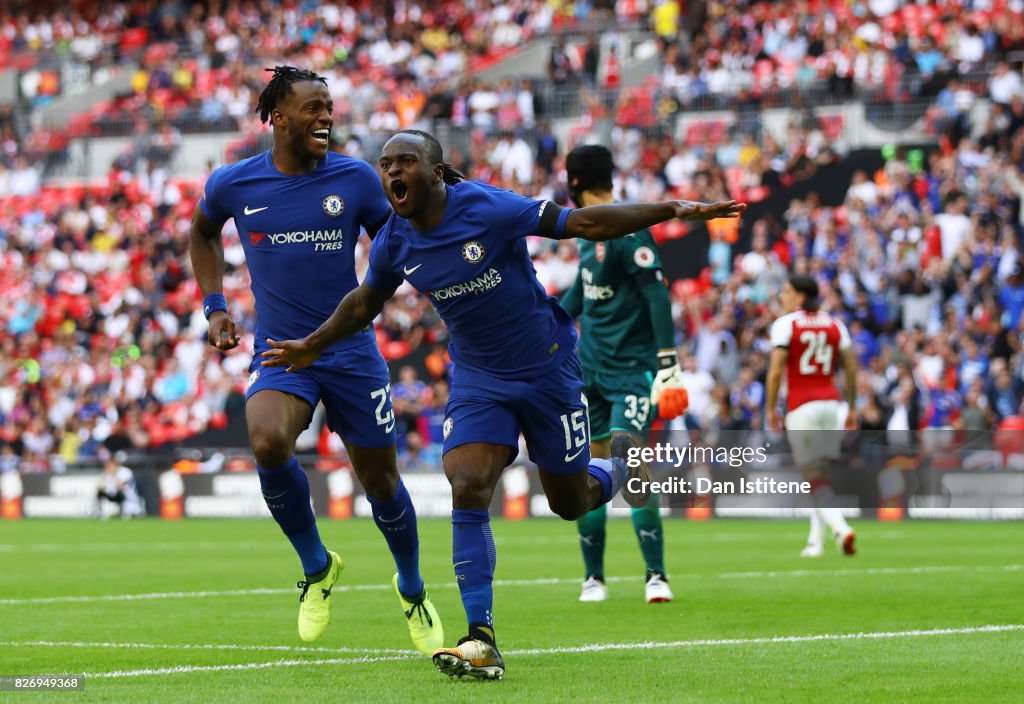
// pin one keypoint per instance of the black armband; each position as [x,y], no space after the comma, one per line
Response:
[552,220]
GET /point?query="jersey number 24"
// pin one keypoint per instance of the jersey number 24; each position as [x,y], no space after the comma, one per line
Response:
[817,356]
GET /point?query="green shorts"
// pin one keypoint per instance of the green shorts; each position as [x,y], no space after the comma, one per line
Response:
[618,401]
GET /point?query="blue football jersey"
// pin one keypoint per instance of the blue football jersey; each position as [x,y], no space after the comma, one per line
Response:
[299,235]
[476,270]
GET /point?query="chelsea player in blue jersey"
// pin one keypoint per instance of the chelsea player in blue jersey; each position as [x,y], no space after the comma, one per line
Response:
[515,365]
[298,210]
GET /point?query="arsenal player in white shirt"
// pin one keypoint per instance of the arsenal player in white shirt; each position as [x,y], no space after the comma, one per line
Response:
[808,346]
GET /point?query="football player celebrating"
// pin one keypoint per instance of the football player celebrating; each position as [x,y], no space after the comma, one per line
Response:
[808,343]
[513,347]
[298,209]
[630,368]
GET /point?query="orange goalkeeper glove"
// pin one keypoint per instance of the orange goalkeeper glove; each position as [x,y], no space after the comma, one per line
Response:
[667,391]
[673,402]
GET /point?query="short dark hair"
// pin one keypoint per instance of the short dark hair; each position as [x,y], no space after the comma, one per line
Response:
[433,148]
[592,166]
[807,286]
[280,87]
[435,155]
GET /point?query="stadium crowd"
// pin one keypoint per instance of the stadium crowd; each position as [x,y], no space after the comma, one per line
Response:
[922,261]
[104,345]
[881,49]
[199,64]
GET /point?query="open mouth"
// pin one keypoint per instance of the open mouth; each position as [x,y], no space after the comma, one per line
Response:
[399,190]
[322,135]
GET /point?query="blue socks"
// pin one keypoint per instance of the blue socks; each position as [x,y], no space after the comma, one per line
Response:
[286,491]
[611,473]
[396,519]
[474,558]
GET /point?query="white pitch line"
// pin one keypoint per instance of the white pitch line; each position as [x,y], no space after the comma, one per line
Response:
[117,546]
[204,646]
[654,645]
[874,571]
[546,581]
[270,546]
[183,669]
[263,592]
[143,597]
[592,648]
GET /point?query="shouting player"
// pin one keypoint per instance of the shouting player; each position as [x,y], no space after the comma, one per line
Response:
[514,351]
[627,349]
[298,209]
[808,344]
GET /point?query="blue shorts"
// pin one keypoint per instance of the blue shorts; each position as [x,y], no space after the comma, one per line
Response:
[354,385]
[550,411]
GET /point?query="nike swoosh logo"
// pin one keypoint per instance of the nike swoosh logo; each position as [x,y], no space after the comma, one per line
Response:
[570,458]
[408,271]
[390,427]
[464,562]
[253,211]
[392,520]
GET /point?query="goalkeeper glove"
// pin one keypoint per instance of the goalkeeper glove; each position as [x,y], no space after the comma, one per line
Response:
[668,392]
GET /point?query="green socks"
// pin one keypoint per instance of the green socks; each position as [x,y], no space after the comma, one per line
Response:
[591,530]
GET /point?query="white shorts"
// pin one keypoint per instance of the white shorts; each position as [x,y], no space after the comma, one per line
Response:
[804,426]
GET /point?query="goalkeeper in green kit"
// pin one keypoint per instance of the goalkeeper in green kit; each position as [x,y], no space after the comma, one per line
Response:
[630,368]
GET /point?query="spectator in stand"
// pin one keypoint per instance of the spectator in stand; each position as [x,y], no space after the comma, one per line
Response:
[407,397]
[560,68]
[23,179]
[1004,86]
[413,457]
[434,412]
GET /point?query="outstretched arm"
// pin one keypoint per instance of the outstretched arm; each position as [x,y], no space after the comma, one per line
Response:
[355,312]
[607,222]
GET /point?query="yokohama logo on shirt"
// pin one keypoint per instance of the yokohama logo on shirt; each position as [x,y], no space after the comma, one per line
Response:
[297,237]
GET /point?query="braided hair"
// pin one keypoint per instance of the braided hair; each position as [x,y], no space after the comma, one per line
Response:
[435,155]
[280,87]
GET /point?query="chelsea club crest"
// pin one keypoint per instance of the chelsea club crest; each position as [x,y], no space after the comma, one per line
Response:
[333,205]
[473,252]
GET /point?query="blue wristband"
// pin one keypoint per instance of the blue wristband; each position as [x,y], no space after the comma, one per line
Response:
[213,303]
[560,224]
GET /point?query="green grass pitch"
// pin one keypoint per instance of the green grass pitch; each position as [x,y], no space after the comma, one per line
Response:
[214,615]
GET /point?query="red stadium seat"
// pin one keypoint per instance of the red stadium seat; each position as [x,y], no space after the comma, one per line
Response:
[395,349]
[1009,436]
[832,125]
[134,38]
[734,181]
[703,131]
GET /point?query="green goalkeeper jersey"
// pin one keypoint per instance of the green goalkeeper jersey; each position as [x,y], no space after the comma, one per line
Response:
[622,303]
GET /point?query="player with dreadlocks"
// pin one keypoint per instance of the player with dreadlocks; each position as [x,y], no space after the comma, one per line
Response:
[298,210]
[463,244]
